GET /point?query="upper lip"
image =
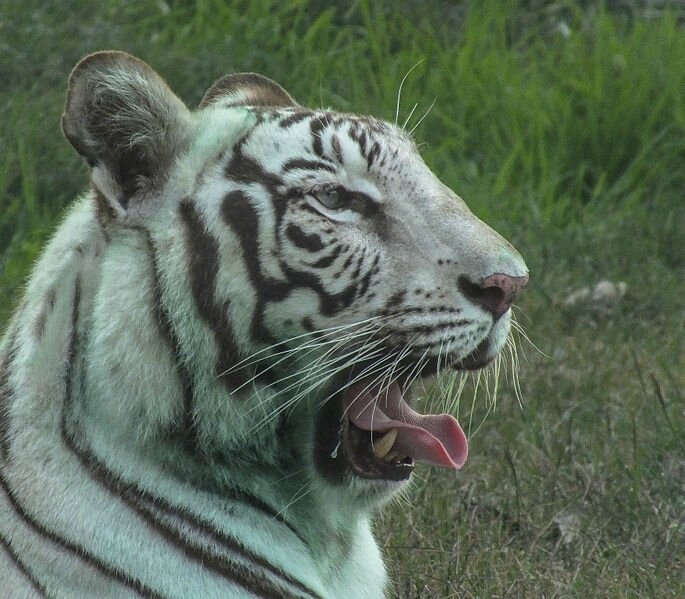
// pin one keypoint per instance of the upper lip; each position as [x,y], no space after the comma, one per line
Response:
[413,367]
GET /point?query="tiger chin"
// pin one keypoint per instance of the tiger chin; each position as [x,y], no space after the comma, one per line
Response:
[205,390]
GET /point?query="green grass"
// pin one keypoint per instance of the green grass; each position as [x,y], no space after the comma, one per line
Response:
[564,128]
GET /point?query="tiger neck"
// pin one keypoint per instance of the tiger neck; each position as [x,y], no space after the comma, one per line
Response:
[136,401]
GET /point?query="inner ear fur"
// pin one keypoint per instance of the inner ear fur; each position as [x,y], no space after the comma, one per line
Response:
[121,115]
[247,89]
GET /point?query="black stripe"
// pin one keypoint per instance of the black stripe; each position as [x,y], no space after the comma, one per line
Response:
[414,309]
[358,134]
[317,125]
[326,261]
[432,328]
[137,499]
[203,267]
[308,165]
[373,154]
[399,338]
[69,374]
[149,507]
[304,207]
[296,117]
[241,217]
[337,149]
[330,303]
[395,300]
[74,548]
[244,169]
[310,242]
[187,430]
[239,214]
[366,279]
[46,309]
[62,542]
[360,261]
[156,511]
[35,583]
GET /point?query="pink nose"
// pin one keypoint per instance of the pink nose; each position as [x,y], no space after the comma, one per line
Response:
[494,293]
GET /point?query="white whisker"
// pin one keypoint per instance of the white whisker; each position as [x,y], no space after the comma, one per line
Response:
[399,91]
[425,114]
[411,113]
[298,496]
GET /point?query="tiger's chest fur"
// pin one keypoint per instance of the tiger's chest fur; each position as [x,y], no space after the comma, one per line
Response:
[203,391]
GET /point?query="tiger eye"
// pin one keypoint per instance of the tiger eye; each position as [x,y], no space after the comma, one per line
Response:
[332,198]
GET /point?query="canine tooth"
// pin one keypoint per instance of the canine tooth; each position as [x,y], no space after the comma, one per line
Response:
[382,446]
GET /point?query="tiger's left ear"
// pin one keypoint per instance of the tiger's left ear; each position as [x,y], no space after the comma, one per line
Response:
[123,118]
[247,89]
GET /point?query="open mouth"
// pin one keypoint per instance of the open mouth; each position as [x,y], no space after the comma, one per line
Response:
[382,437]
[371,430]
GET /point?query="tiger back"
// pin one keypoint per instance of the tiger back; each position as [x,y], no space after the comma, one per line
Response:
[205,391]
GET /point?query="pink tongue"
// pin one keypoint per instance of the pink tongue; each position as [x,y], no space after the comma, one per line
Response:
[434,439]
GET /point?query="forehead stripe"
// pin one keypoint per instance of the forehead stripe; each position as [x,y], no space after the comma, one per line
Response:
[308,165]
[337,150]
[295,118]
[316,127]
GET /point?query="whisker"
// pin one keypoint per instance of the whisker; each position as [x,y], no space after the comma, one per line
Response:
[388,379]
[411,113]
[516,326]
[359,357]
[251,359]
[319,363]
[298,496]
[425,114]
[399,91]
[301,375]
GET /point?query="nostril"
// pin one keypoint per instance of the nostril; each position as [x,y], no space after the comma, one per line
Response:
[495,293]
[490,298]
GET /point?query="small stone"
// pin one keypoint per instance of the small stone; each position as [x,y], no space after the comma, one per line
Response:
[569,527]
[608,291]
[604,292]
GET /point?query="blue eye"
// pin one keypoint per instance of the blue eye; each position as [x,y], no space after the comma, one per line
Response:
[331,198]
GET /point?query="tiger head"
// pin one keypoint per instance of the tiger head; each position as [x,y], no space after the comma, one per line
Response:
[303,268]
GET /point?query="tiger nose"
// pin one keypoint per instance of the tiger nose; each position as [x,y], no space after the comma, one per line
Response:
[495,293]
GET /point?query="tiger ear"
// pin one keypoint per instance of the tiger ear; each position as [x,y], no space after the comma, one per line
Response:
[247,89]
[123,118]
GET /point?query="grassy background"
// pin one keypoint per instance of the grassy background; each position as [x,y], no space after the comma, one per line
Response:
[563,125]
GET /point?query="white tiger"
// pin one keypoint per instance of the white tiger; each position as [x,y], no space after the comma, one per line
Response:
[202,393]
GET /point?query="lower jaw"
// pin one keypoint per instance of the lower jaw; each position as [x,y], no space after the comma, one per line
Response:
[357,442]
